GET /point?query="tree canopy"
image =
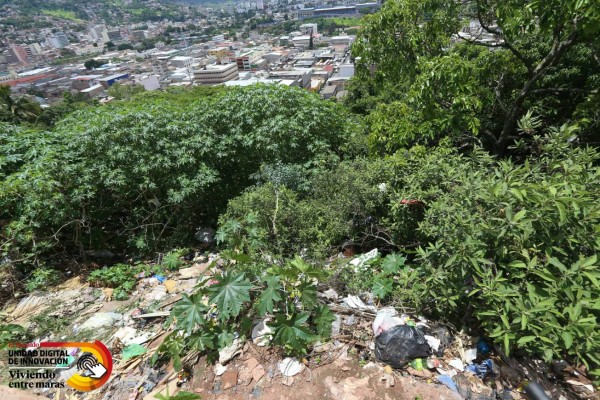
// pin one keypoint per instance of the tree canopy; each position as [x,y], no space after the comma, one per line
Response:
[472,70]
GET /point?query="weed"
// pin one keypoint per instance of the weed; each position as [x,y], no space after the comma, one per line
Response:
[41,278]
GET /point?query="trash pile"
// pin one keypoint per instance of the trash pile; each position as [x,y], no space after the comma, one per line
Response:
[374,352]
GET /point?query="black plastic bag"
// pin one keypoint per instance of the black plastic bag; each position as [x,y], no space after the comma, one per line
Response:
[401,344]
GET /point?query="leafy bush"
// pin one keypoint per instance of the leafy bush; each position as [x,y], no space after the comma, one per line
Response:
[41,278]
[144,175]
[121,277]
[12,333]
[515,245]
[378,276]
[342,204]
[228,305]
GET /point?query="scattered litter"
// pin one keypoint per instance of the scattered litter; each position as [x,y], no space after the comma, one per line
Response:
[336,325]
[183,377]
[171,285]
[386,318]
[230,351]
[577,383]
[447,381]
[457,363]
[330,295]
[433,342]
[220,369]
[401,344]
[159,278]
[132,351]
[362,259]
[356,303]
[483,347]
[152,315]
[483,369]
[470,356]
[290,366]
[261,333]
[101,320]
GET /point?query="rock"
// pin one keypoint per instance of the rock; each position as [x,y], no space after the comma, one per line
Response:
[425,373]
[389,380]
[101,320]
[350,388]
[258,373]
[287,380]
[246,371]
[229,379]
[230,351]
[290,366]
[170,285]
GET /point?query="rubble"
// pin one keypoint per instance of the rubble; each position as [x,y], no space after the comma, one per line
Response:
[101,320]
[397,351]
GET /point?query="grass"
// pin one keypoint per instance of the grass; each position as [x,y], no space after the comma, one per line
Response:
[346,21]
[63,14]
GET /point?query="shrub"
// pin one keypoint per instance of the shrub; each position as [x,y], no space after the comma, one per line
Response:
[515,245]
[144,175]
[250,290]
[341,204]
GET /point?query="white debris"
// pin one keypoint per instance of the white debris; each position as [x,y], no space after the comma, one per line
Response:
[261,333]
[101,320]
[458,364]
[356,303]
[433,342]
[362,259]
[386,318]
[230,351]
[220,369]
[290,366]
[470,356]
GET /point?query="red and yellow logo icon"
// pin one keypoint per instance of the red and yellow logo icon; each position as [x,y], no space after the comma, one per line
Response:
[88,366]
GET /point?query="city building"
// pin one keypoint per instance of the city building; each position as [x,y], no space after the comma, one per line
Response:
[58,40]
[214,74]
[18,55]
[112,79]
[182,62]
[221,54]
[308,28]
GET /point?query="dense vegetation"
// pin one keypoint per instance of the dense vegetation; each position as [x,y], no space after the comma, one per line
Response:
[472,166]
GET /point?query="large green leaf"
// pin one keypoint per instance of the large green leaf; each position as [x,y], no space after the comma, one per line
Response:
[269,296]
[229,293]
[293,332]
[323,319]
[392,263]
[189,312]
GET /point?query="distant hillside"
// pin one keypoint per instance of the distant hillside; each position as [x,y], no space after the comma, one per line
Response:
[29,13]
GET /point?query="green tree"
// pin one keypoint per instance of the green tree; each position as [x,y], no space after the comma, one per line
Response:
[475,86]
[120,92]
[92,64]
[145,173]
[22,108]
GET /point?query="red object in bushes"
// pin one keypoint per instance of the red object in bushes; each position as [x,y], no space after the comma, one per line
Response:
[412,202]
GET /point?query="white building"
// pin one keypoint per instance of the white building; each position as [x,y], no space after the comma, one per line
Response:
[149,82]
[213,74]
[182,62]
[306,28]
